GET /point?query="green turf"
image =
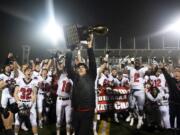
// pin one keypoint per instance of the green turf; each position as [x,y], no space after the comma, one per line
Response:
[121,128]
[47,130]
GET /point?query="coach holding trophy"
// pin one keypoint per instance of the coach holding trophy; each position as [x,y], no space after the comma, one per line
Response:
[83,95]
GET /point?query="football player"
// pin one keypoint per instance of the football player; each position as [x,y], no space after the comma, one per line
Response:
[137,95]
[25,96]
[44,83]
[63,102]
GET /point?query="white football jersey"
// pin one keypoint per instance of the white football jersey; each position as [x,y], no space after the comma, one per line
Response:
[161,81]
[158,81]
[164,90]
[45,83]
[123,81]
[137,78]
[26,89]
[164,100]
[113,79]
[104,80]
[6,96]
[64,86]
[4,77]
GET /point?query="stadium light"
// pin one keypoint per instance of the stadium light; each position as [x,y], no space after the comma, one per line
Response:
[174,27]
[53,31]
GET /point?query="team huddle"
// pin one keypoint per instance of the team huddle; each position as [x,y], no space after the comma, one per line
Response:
[148,91]
[27,92]
[32,90]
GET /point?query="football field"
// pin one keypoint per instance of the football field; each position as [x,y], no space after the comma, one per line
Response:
[105,128]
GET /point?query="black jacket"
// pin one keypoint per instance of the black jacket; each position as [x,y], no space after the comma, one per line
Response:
[174,88]
[83,94]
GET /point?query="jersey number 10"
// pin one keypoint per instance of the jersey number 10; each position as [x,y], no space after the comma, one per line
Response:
[66,87]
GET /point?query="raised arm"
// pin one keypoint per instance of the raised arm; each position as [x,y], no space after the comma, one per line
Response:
[49,64]
[68,66]
[92,61]
[166,74]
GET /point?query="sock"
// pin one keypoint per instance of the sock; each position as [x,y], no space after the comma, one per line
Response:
[58,132]
[94,125]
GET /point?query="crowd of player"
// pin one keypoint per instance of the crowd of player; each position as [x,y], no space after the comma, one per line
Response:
[29,91]
[148,91]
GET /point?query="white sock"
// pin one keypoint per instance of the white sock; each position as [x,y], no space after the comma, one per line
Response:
[15,133]
[57,132]
[94,125]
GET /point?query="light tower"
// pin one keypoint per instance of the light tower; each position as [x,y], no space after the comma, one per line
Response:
[26,52]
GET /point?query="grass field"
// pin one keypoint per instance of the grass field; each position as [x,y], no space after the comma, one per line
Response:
[112,128]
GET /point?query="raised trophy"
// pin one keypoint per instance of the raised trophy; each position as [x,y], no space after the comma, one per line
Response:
[75,34]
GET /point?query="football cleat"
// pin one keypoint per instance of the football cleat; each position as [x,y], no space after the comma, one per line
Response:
[131,122]
[23,127]
[140,122]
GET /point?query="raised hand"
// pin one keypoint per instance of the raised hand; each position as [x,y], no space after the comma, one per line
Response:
[90,41]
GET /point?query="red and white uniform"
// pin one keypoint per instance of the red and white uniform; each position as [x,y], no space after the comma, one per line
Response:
[124,80]
[157,81]
[45,85]
[137,78]
[105,80]
[161,82]
[63,102]
[137,94]
[25,95]
[164,101]
[162,98]
[6,96]
[5,77]
[114,80]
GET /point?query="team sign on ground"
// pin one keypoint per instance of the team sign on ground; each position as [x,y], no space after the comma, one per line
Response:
[112,99]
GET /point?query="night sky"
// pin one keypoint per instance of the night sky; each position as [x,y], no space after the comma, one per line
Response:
[20,20]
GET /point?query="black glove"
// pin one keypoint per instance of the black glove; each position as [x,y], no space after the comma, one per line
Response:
[48,100]
[24,113]
[14,108]
[4,112]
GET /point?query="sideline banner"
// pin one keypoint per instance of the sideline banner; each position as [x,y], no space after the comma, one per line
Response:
[112,99]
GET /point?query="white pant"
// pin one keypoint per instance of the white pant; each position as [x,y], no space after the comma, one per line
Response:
[165,122]
[63,106]
[40,98]
[137,97]
[32,116]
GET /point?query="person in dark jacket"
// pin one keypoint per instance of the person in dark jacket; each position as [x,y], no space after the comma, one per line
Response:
[174,95]
[83,94]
